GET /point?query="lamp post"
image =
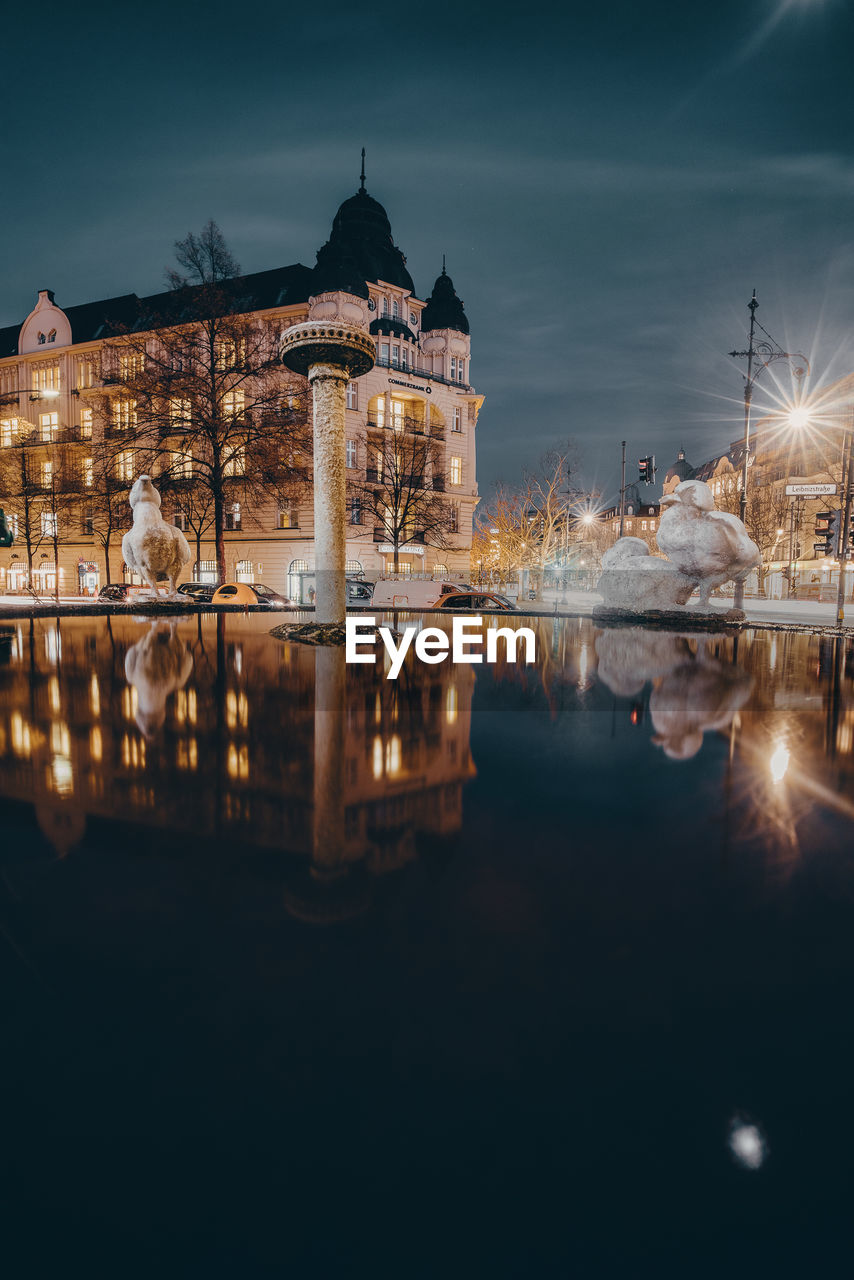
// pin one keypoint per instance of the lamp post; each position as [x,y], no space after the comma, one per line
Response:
[760,355]
[799,418]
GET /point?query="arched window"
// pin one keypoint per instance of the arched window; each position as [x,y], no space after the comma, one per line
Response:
[42,339]
[243,571]
[440,571]
[353,566]
[51,337]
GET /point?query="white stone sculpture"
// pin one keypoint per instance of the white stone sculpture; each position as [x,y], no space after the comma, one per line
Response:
[156,666]
[153,548]
[693,692]
[709,546]
[705,548]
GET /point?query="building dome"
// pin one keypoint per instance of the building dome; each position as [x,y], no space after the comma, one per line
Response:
[444,310]
[680,470]
[361,241]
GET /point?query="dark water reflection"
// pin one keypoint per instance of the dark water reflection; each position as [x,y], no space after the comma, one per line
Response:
[590,919]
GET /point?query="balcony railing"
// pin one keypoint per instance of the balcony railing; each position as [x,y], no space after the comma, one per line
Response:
[423,373]
[414,426]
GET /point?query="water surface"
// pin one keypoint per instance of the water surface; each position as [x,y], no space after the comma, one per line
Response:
[582,929]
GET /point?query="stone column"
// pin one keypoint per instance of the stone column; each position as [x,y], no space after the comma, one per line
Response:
[329,354]
[329,390]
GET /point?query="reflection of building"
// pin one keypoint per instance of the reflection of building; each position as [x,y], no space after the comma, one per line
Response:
[232,759]
[61,396]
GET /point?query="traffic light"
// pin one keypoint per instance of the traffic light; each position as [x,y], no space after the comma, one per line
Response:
[827,528]
[646,470]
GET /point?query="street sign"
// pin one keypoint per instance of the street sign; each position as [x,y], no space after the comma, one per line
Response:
[809,490]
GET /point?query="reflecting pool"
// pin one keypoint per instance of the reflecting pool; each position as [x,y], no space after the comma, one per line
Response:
[584,928]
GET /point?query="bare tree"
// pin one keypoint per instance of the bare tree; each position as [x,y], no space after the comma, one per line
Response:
[203,387]
[403,492]
[766,514]
[529,526]
[39,481]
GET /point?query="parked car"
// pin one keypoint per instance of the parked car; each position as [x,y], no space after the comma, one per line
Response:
[249,593]
[415,593]
[475,600]
[114,591]
[203,592]
[359,592]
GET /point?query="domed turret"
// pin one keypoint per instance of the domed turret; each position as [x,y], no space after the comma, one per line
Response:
[444,310]
[360,247]
[680,470]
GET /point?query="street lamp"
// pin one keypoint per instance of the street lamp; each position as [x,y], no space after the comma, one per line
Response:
[760,355]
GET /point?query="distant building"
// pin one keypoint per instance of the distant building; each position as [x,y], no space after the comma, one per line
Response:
[52,368]
[641,517]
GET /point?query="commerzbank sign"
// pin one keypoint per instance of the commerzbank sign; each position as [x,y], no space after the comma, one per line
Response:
[413,386]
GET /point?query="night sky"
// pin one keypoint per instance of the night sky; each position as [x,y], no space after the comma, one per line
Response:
[609,182]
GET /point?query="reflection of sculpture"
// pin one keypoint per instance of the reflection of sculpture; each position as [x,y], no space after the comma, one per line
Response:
[153,548]
[706,548]
[692,693]
[707,545]
[156,666]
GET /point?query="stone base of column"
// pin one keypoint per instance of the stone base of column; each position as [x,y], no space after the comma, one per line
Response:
[316,633]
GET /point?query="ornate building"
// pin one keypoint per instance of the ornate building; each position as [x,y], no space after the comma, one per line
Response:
[61,362]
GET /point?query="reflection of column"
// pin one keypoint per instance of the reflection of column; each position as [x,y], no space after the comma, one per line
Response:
[330,696]
[329,391]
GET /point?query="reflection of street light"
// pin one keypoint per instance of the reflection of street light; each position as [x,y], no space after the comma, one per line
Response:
[779,762]
[759,356]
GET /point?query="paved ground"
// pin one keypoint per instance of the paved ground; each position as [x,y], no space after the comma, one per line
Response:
[806,612]
[803,612]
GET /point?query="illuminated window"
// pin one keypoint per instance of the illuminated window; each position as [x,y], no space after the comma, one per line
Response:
[46,475]
[86,424]
[379,412]
[244,572]
[457,419]
[179,519]
[232,517]
[237,761]
[236,463]
[352,395]
[124,415]
[456,469]
[451,704]
[45,377]
[48,426]
[85,373]
[397,414]
[8,431]
[351,453]
[353,566]
[131,364]
[187,753]
[87,520]
[88,472]
[231,353]
[94,695]
[181,464]
[180,413]
[236,709]
[289,517]
[96,746]
[233,403]
[124,465]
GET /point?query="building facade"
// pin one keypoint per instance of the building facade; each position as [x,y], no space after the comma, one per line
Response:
[61,363]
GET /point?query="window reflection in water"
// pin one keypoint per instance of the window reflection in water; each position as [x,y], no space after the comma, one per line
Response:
[188,725]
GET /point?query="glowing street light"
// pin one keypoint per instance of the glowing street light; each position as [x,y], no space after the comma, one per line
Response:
[800,417]
[760,355]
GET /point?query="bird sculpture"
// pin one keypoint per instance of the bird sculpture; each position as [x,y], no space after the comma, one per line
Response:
[154,549]
[709,546]
[156,666]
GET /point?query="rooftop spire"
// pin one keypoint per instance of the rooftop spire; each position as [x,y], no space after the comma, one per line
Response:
[362,174]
